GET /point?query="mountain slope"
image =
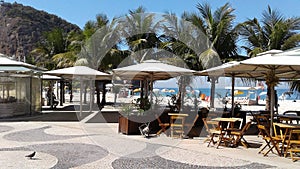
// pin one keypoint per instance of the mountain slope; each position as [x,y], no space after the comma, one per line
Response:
[21,27]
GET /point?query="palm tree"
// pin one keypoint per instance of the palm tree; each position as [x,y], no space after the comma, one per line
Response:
[221,36]
[54,43]
[219,29]
[181,39]
[273,32]
[69,57]
[100,50]
[140,31]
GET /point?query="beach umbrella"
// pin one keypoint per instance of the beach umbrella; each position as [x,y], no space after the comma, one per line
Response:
[164,90]
[151,70]
[80,73]
[137,90]
[238,92]
[172,91]
[283,65]
[271,66]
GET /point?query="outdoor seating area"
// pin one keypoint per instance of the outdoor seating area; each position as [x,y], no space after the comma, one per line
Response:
[197,85]
[281,138]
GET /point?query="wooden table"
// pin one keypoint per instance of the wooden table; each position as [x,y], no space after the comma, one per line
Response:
[225,131]
[177,124]
[289,118]
[285,130]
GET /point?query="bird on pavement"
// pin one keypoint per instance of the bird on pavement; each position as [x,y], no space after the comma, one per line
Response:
[30,155]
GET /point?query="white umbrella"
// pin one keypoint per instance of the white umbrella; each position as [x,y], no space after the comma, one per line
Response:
[282,65]
[50,77]
[81,73]
[152,70]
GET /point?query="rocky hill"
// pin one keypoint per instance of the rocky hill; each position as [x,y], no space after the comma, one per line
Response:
[21,27]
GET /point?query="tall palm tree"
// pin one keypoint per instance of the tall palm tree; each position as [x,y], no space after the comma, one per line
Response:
[55,42]
[100,49]
[140,31]
[219,29]
[69,57]
[273,32]
[221,36]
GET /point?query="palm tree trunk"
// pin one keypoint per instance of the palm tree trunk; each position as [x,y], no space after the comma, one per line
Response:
[268,104]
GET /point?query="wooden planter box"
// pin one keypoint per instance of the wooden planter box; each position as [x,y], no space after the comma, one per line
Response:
[128,127]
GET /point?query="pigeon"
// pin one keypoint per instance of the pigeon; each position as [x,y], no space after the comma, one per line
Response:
[30,155]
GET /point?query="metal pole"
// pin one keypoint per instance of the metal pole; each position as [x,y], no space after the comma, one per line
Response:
[272,109]
[212,92]
[61,92]
[151,88]
[91,95]
[80,98]
[232,95]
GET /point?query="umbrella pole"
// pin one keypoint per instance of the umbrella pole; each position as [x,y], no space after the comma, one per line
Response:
[80,98]
[212,92]
[232,95]
[151,88]
[91,95]
[142,93]
[272,109]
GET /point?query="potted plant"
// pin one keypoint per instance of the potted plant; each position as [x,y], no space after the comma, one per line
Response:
[127,119]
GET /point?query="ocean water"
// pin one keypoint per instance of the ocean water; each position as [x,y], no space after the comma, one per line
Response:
[227,92]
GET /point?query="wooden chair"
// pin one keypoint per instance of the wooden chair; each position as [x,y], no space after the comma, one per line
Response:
[177,126]
[239,134]
[293,144]
[162,125]
[212,130]
[279,134]
[262,120]
[271,142]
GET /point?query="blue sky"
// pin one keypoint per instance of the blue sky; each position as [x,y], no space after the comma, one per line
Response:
[79,12]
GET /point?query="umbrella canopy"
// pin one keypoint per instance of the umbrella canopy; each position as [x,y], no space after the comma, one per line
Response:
[238,92]
[153,69]
[8,65]
[50,77]
[283,65]
[82,72]
[286,65]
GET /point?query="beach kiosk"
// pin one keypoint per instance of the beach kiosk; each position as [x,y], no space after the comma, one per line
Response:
[20,88]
